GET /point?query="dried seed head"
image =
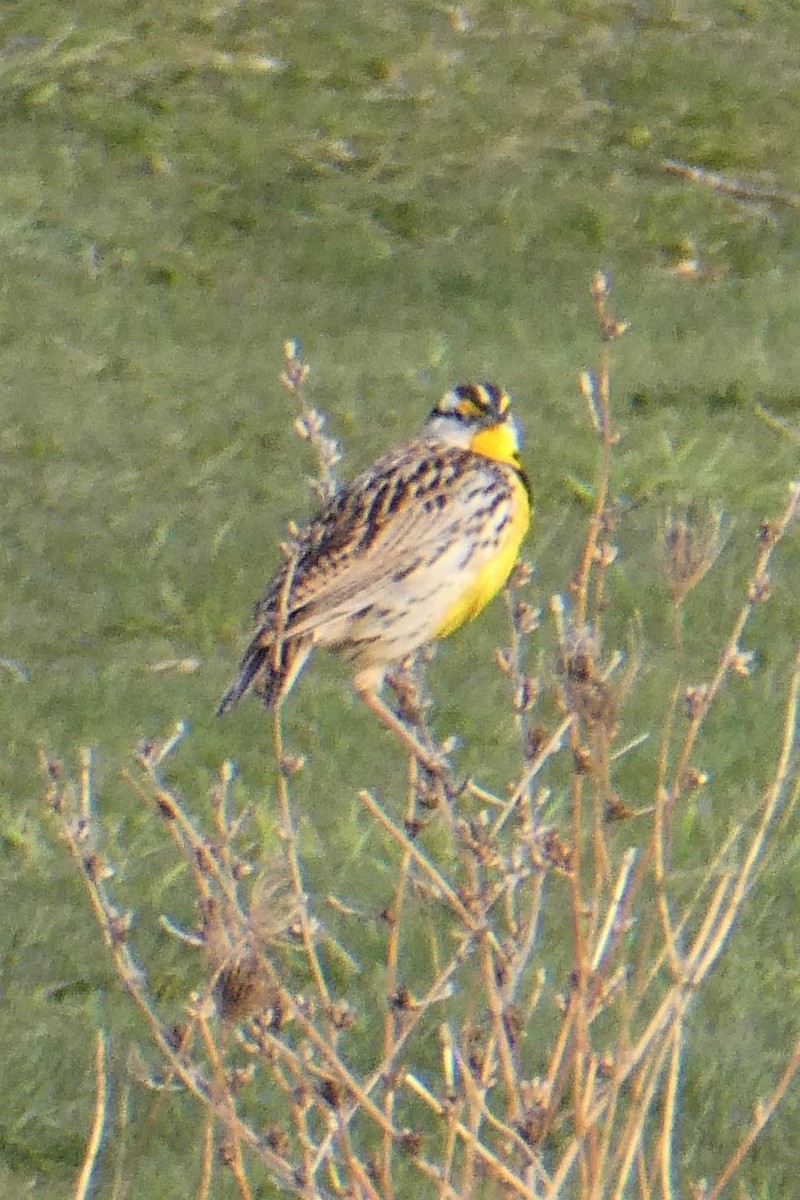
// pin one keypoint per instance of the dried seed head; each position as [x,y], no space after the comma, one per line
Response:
[473,1040]
[535,1091]
[331,1092]
[475,837]
[760,589]
[695,700]
[97,869]
[239,954]
[411,1141]
[176,1036]
[240,1077]
[526,695]
[165,806]
[555,851]
[532,1126]
[276,1139]
[226,1154]
[81,831]
[590,697]
[527,619]
[503,659]
[617,810]
[536,739]
[742,662]
[521,575]
[292,764]
[120,924]
[582,760]
[54,769]
[242,988]
[295,371]
[402,1000]
[693,780]
[514,1022]
[691,545]
[342,1015]
[600,286]
[605,554]
[614,329]
[605,1066]
[306,1006]
[309,424]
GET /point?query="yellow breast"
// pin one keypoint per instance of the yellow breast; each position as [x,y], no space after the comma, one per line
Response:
[497,570]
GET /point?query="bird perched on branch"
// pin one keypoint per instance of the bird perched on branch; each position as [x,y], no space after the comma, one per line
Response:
[407,552]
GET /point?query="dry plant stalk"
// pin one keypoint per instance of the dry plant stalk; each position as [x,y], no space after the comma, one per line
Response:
[495,1069]
[85,1178]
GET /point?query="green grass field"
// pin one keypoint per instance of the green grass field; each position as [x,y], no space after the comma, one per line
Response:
[420,194]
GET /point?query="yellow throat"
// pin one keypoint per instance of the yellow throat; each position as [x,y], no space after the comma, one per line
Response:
[498,442]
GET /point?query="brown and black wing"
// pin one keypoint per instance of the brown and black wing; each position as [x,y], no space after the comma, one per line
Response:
[378,528]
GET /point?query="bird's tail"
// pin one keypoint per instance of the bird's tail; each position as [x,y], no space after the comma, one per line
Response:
[268,673]
[256,671]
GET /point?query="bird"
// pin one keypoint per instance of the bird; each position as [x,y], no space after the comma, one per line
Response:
[407,552]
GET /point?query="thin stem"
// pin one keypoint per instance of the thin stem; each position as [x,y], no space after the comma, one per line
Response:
[764,1113]
[98,1121]
[493,1164]
[206,1158]
[756,594]
[293,860]
[232,1122]
[669,1119]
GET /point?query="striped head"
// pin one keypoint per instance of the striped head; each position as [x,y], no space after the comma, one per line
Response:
[478,417]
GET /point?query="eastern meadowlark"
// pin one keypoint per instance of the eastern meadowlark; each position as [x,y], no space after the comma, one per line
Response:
[407,552]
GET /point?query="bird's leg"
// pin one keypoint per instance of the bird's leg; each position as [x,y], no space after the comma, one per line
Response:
[368,685]
[411,707]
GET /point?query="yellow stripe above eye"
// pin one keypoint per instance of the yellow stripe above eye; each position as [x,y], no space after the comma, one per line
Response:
[469,408]
[478,399]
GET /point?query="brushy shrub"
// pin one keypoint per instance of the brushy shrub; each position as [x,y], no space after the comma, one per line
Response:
[521,1028]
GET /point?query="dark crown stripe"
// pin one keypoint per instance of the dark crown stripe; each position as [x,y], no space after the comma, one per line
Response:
[486,397]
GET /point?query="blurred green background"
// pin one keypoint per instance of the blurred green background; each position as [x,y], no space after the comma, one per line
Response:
[420,193]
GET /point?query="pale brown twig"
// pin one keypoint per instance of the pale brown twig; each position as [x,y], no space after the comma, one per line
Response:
[230,1121]
[95,1140]
[737,189]
[491,1161]
[764,1113]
